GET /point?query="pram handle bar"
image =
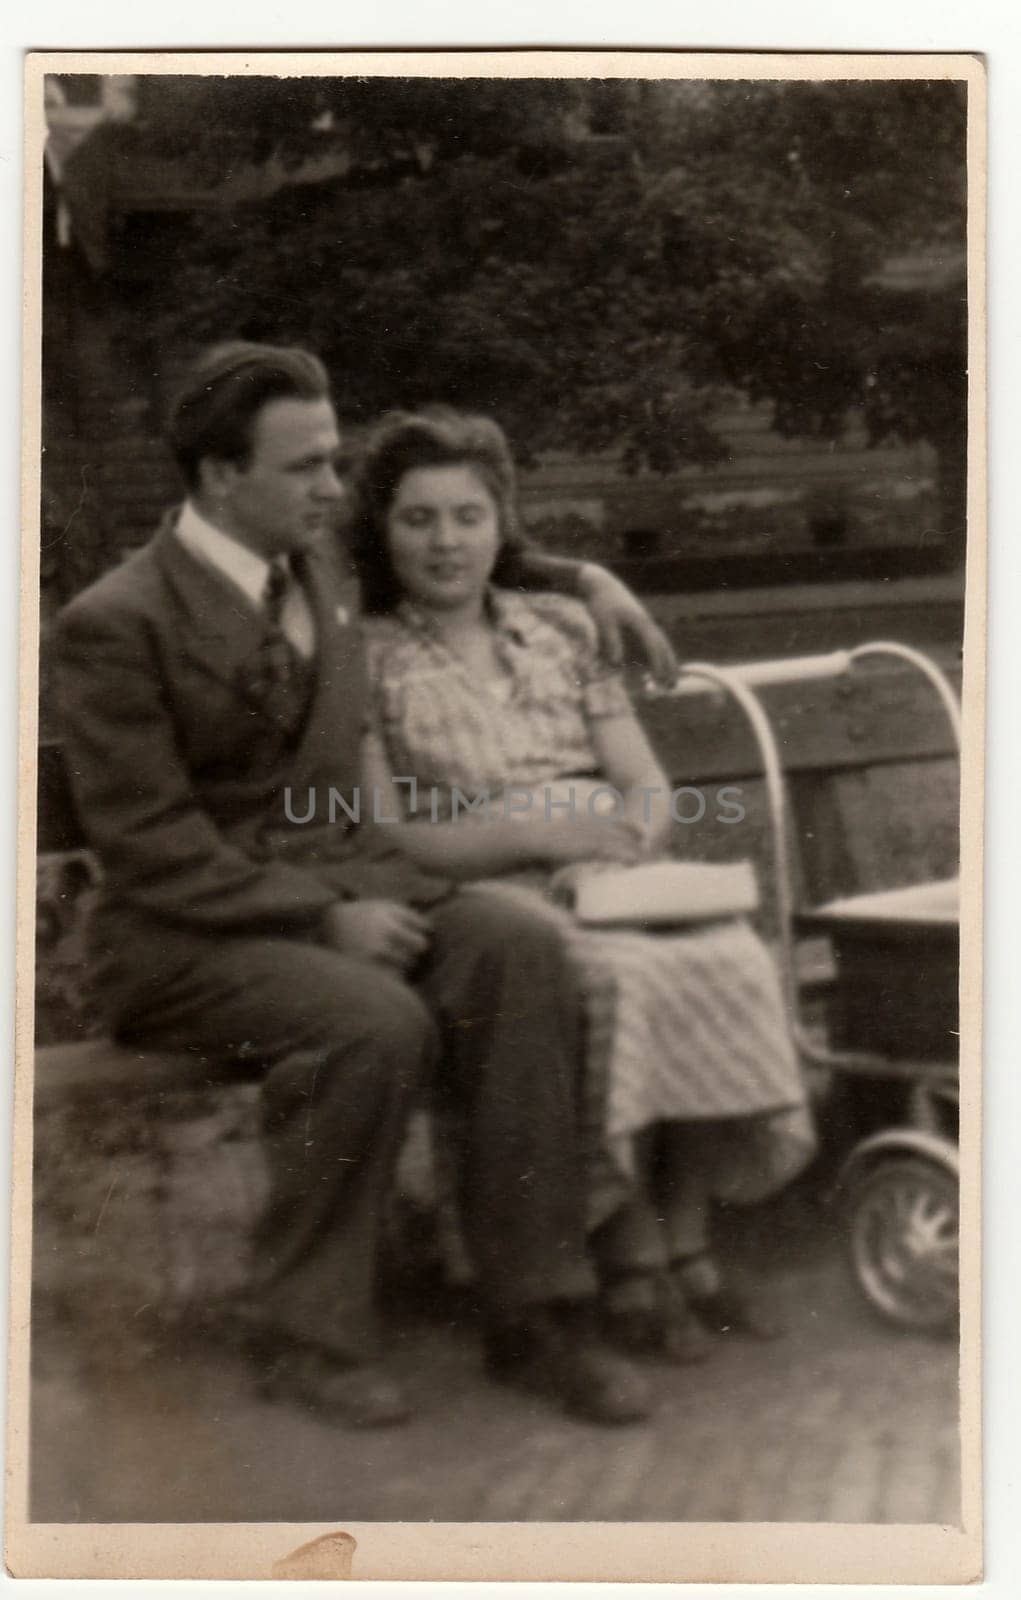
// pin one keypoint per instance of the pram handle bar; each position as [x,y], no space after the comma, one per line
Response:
[926,666]
[733,681]
[762,674]
[806,669]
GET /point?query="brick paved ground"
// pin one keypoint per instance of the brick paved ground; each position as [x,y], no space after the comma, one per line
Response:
[844,1420]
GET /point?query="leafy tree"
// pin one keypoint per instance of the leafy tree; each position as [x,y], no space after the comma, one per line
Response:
[597,262]
[825,185]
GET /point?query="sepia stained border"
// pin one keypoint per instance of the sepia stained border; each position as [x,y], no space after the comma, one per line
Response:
[647,1552]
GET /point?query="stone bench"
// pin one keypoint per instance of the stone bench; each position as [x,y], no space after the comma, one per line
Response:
[149,1174]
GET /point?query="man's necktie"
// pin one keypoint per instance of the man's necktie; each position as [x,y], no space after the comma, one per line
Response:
[277,652]
[275,678]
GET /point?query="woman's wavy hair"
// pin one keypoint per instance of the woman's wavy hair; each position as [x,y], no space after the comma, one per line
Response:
[400,442]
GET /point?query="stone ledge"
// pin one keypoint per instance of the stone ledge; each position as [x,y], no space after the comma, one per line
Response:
[149,1176]
[90,1067]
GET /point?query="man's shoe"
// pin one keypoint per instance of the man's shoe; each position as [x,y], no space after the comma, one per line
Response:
[548,1356]
[359,1396]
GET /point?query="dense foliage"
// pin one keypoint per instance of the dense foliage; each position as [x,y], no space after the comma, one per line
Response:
[595,262]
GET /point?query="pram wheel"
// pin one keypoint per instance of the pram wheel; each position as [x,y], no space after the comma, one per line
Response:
[903,1237]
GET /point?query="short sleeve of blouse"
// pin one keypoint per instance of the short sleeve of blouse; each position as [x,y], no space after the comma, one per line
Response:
[602,686]
[607,696]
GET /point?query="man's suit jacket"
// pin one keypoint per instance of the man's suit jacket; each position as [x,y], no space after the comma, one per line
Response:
[179,778]
[171,758]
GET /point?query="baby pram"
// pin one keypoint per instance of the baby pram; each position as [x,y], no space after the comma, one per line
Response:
[889,1042]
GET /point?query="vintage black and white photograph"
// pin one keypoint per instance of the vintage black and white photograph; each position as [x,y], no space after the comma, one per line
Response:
[496,547]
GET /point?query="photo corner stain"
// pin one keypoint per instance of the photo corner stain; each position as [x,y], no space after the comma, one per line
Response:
[330,1557]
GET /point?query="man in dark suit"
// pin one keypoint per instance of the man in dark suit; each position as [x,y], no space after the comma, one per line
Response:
[206,682]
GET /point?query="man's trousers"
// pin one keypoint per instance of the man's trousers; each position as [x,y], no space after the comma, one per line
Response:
[345,1047]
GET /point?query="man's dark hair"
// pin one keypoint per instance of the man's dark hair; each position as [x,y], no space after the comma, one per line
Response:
[213,410]
[437,436]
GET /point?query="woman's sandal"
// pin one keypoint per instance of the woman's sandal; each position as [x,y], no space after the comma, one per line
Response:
[723,1308]
[685,1340]
[644,1317]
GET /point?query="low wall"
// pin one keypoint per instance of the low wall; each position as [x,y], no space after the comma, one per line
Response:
[149,1175]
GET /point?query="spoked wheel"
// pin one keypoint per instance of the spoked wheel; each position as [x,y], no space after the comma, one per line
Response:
[903,1241]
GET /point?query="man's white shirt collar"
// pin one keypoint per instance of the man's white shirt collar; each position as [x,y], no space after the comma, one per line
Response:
[241,565]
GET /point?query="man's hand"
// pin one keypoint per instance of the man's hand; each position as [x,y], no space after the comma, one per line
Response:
[616,610]
[376,930]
